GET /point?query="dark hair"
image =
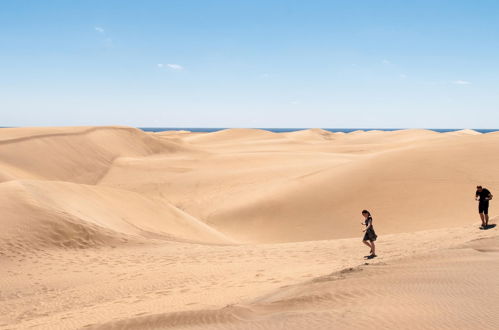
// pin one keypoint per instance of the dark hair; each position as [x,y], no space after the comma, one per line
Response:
[366,211]
[478,187]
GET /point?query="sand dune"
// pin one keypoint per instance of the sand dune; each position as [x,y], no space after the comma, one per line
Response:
[312,134]
[437,291]
[464,132]
[68,215]
[112,227]
[81,154]
[301,191]
[231,135]
[190,286]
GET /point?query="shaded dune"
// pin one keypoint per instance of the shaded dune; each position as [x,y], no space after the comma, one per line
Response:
[73,154]
[39,214]
[226,318]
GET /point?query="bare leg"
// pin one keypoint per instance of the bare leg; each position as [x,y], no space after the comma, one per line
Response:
[482,216]
[486,220]
[373,248]
[368,244]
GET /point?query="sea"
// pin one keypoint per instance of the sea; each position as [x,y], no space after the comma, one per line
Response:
[293,129]
[283,130]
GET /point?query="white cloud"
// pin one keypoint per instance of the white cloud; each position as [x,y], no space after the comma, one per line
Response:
[176,67]
[99,29]
[461,82]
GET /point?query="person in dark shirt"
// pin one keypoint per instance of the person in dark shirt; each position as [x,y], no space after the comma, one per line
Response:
[369,236]
[483,196]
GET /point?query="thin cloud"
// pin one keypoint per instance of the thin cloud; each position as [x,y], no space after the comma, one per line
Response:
[108,43]
[461,82]
[176,67]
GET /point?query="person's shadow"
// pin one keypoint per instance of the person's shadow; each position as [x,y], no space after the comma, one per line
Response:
[490,226]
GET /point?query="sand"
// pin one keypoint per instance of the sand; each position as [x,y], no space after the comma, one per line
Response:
[115,228]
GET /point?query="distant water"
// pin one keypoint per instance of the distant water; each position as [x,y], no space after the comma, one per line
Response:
[283,130]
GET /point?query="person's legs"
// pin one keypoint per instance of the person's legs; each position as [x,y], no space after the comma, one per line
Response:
[481,210]
[368,244]
[486,214]
[373,248]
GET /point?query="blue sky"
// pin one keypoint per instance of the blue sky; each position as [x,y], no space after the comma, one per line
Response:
[384,64]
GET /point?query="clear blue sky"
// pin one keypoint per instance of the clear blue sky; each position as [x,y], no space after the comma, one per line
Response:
[385,64]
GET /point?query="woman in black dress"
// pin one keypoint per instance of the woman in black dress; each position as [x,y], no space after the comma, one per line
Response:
[369,236]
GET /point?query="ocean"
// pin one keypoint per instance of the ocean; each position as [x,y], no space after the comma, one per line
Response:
[282,130]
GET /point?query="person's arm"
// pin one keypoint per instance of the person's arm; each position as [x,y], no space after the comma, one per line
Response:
[477,196]
[489,197]
[368,225]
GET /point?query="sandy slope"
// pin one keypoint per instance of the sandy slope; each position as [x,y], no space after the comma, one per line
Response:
[61,214]
[115,227]
[180,285]
[449,289]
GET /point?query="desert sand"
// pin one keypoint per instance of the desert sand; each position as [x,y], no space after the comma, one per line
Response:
[116,228]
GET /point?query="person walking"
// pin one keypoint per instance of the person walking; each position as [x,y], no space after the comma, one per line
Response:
[483,196]
[369,236]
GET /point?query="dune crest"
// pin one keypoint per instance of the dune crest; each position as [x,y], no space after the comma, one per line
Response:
[233,134]
[311,134]
[464,132]
[81,154]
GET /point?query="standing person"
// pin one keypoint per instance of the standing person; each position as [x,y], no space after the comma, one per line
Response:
[369,236]
[483,196]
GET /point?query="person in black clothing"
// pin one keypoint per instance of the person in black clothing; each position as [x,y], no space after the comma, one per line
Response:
[483,196]
[369,236]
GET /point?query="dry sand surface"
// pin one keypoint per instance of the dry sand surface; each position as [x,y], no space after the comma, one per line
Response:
[115,228]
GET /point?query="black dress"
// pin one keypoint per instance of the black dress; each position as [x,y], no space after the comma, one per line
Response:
[370,235]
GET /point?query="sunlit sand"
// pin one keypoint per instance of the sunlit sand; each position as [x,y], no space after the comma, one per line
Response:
[116,228]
